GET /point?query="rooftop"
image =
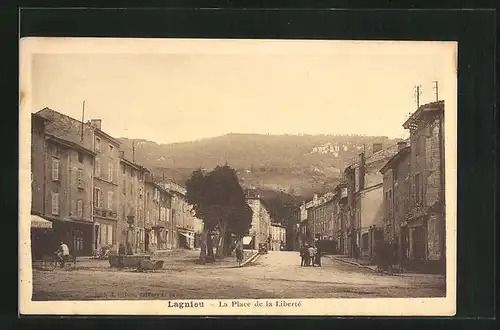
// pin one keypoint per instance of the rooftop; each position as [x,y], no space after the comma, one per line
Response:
[421,111]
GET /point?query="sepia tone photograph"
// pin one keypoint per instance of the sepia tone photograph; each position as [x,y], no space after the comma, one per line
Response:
[237,176]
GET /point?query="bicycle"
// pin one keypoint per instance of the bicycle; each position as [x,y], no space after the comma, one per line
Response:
[53,261]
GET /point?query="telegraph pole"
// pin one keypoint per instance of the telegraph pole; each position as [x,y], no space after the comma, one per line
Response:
[133,151]
[436,89]
[418,92]
[83,116]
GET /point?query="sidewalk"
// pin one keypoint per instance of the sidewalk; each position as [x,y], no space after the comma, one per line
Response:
[366,265]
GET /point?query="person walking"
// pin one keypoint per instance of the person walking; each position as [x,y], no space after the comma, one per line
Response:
[310,251]
[317,256]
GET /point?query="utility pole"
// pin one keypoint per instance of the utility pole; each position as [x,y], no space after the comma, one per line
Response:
[436,89]
[83,116]
[133,151]
[418,92]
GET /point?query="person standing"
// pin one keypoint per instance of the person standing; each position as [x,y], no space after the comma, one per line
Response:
[302,252]
[310,251]
[317,256]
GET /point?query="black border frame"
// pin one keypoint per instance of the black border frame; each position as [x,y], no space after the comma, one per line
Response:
[473,29]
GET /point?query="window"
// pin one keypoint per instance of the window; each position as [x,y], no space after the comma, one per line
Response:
[123,169]
[80,178]
[418,188]
[79,208]
[80,157]
[106,234]
[97,198]
[110,200]
[97,144]
[148,213]
[162,214]
[55,203]
[131,190]
[56,152]
[55,169]
[140,192]
[124,190]
[110,172]
[97,169]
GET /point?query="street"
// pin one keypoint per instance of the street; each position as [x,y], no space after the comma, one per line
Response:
[273,275]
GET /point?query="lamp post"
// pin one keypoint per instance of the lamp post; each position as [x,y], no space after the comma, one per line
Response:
[130,221]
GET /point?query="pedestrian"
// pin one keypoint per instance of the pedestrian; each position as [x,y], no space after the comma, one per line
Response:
[310,251]
[317,254]
[302,252]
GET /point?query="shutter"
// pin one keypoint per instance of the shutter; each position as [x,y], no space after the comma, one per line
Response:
[100,199]
[55,203]
[110,234]
[110,172]
[55,169]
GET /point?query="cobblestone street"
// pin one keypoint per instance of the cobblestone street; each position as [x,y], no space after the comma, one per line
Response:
[274,275]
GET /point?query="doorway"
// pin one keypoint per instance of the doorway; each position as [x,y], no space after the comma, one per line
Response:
[96,237]
[419,243]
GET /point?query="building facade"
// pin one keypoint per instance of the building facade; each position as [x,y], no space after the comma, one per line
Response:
[396,189]
[131,209]
[426,215]
[278,236]
[106,197]
[158,220]
[260,228]
[68,193]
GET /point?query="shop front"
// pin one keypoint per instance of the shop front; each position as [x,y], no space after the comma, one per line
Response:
[185,238]
[77,235]
[42,238]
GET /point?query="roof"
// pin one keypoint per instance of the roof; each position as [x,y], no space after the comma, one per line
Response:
[109,137]
[69,144]
[394,160]
[422,110]
[134,165]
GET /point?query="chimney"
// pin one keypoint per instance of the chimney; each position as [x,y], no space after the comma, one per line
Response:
[122,154]
[377,147]
[401,145]
[96,123]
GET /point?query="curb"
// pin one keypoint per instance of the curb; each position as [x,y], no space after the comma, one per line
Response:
[250,259]
[354,264]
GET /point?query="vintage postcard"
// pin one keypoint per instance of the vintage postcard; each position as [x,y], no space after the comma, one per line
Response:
[237,177]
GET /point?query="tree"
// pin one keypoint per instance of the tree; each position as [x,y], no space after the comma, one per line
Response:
[219,200]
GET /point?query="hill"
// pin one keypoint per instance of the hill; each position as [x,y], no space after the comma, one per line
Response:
[294,164]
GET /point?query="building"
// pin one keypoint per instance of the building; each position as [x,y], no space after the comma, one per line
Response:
[184,221]
[365,225]
[426,214]
[260,229]
[158,224]
[41,229]
[106,190]
[323,217]
[396,188]
[341,217]
[131,209]
[278,236]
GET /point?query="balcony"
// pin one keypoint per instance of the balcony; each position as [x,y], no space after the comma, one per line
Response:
[103,213]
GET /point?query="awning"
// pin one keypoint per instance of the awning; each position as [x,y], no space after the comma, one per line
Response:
[39,222]
[247,240]
[184,234]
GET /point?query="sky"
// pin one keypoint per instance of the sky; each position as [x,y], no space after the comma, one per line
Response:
[180,90]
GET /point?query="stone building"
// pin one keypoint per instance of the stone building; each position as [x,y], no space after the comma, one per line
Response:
[158,224]
[41,228]
[340,217]
[396,188]
[260,228]
[426,214]
[365,224]
[67,187]
[278,236]
[131,210]
[105,191]
[323,217]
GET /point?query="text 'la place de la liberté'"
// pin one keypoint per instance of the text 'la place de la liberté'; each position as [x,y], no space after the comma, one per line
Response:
[236,304]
